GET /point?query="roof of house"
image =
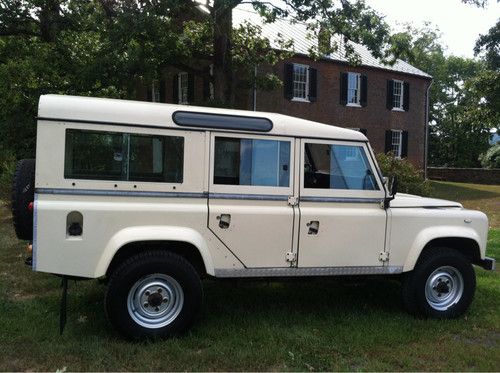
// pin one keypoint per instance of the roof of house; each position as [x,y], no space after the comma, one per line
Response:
[147,114]
[303,40]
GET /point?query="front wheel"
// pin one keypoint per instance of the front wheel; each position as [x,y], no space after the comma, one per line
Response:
[154,294]
[442,285]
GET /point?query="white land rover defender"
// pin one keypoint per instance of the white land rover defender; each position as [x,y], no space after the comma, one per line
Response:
[155,197]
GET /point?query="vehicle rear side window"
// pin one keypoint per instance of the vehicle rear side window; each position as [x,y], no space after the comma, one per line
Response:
[251,162]
[337,167]
[123,156]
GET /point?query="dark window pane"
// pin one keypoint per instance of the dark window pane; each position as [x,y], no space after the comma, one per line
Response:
[121,156]
[252,162]
[155,158]
[93,155]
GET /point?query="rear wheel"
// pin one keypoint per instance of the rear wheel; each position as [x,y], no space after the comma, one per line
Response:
[154,294]
[442,285]
[23,193]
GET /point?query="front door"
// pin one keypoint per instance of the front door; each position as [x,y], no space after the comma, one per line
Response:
[342,223]
[251,181]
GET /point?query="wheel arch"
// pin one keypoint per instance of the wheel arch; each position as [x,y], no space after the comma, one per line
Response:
[183,241]
[465,241]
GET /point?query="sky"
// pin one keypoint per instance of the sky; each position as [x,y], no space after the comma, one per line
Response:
[460,24]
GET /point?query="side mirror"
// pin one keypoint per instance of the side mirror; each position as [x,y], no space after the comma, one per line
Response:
[392,190]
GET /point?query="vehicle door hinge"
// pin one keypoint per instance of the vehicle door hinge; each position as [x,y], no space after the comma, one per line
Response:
[293,201]
[384,256]
[291,257]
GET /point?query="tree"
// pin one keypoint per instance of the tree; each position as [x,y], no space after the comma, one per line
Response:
[459,119]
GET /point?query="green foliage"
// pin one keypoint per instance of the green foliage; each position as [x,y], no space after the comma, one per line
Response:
[464,98]
[410,179]
[491,159]
[7,168]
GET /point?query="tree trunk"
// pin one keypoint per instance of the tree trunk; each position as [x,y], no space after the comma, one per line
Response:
[223,74]
[49,19]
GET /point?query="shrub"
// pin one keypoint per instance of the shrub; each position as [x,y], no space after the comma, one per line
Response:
[491,159]
[410,179]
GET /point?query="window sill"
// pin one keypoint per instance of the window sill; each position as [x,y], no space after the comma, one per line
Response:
[353,105]
[298,99]
[397,109]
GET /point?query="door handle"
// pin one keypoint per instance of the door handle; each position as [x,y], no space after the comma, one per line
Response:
[313,227]
[224,221]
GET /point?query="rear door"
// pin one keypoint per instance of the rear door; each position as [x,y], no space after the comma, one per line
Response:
[250,185]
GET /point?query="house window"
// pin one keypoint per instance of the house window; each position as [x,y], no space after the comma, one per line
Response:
[155,91]
[183,88]
[397,94]
[396,143]
[300,82]
[353,89]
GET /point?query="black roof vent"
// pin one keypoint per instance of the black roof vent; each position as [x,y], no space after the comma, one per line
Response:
[221,121]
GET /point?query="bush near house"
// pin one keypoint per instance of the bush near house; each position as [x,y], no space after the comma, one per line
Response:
[410,179]
[491,159]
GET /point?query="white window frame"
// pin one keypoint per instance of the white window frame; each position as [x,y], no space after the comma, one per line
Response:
[306,90]
[398,143]
[357,90]
[183,98]
[401,99]
[155,91]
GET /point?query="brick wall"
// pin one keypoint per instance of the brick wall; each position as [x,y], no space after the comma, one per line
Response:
[375,117]
[466,175]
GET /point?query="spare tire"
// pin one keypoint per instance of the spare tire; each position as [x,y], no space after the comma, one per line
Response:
[23,193]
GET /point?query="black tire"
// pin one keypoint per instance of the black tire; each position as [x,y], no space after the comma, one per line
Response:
[415,283]
[142,267]
[23,193]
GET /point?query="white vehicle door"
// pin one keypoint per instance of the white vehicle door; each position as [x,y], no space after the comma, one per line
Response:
[251,179]
[342,223]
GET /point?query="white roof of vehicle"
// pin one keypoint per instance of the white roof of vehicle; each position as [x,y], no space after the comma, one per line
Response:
[303,40]
[140,113]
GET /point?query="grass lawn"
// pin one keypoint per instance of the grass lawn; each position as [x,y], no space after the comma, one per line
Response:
[320,324]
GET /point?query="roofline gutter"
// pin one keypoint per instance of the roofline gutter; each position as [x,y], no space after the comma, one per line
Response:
[426,128]
[426,77]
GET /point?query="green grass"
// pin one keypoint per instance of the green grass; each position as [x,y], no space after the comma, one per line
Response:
[485,198]
[310,325]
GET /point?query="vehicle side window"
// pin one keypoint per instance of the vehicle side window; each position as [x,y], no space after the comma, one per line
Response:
[337,167]
[122,156]
[251,162]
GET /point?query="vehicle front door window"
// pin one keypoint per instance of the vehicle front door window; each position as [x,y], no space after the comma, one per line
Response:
[329,166]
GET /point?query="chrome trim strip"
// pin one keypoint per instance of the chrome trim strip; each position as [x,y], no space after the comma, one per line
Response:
[34,241]
[309,271]
[341,199]
[255,197]
[120,193]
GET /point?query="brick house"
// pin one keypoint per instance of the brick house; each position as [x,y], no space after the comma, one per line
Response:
[388,103]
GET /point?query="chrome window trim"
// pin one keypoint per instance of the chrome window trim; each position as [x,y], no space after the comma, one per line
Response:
[119,193]
[255,197]
[340,199]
